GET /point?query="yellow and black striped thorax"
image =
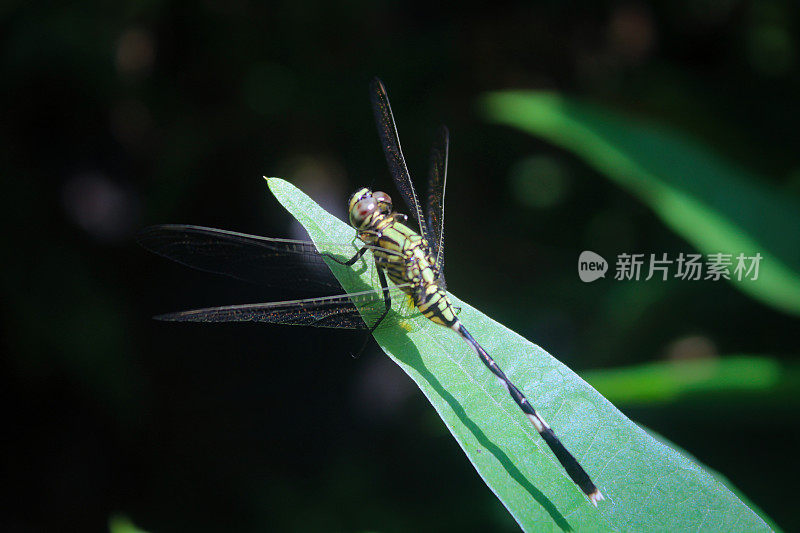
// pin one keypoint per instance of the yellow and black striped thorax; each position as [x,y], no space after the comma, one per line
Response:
[406,259]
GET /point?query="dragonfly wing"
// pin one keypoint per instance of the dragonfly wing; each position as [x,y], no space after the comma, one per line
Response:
[349,311]
[387,131]
[437,181]
[260,260]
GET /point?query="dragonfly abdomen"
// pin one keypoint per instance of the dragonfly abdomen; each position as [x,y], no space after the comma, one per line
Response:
[567,460]
[434,304]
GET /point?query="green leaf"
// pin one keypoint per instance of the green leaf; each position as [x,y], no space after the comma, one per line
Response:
[711,203]
[733,378]
[647,484]
[717,475]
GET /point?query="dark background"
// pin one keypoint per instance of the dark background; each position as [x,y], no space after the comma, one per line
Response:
[119,115]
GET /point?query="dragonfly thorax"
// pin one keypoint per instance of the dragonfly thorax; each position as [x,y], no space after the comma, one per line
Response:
[365,206]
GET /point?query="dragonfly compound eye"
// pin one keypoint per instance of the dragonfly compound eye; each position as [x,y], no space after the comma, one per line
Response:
[382,198]
[356,206]
[362,210]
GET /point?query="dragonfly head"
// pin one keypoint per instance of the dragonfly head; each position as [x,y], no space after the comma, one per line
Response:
[365,203]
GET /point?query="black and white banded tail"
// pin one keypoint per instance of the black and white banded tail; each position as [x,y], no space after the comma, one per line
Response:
[567,460]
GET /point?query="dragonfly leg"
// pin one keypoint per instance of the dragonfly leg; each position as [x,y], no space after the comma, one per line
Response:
[387,301]
[351,261]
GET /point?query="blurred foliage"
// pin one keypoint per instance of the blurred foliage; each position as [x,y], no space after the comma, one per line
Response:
[714,205]
[122,524]
[734,379]
[116,116]
[643,480]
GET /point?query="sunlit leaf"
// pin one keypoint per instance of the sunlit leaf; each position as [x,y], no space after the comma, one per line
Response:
[647,484]
[663,382]
[711,203]
[717,475]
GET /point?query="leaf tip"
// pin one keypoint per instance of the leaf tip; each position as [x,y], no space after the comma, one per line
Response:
[274,184]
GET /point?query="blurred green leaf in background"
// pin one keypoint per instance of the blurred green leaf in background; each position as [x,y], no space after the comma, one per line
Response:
[708,201]
[122,524]
[734,378]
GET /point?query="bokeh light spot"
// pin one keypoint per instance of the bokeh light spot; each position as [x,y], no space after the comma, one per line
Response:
[135,52]
[104,209]
[770,49]
[540,181]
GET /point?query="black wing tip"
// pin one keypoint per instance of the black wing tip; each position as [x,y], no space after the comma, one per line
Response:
[143,235]
[194,315]
[169,317]
[377,90]
[170,227]
[146,236]
[145,232]
[181,316]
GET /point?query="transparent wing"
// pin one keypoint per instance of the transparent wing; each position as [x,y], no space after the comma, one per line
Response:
[260,260]
[437,181]
[358,310]
[390,141]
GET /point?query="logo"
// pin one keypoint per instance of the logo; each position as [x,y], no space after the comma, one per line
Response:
[689,267]
[591,266]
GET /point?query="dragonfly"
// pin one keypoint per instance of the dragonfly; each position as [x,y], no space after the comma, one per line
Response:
[413,262]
